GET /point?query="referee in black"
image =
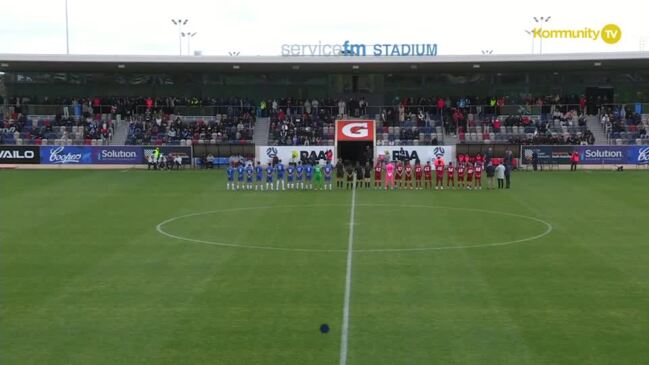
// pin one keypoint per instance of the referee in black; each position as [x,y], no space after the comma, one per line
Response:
[340,174]
[509,165]
[368,174]
[359,174]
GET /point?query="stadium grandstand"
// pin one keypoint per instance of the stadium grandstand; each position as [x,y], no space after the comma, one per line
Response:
[166,100]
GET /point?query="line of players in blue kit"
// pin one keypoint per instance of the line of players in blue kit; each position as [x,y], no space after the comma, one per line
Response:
[295,176]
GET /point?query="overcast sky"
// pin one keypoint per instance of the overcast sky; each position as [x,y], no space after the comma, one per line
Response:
[260,27]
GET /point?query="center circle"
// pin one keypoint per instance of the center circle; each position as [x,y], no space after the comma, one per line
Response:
[378,228]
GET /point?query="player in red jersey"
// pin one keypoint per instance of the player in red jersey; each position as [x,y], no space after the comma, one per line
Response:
[479,159]
[439,173]
[408,178]
[460,175]
[460,159]
[469,176]
[439,161]
[478,176]
[428,176]
[417,175]
[378,174]
[450,175]
[399,174]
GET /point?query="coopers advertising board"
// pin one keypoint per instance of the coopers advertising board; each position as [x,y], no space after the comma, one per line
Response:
[639,154]
[66,155]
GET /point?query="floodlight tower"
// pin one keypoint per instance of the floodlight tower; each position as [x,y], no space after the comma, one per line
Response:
[180,23]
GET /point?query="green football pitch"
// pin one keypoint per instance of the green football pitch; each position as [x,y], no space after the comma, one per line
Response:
[148,267]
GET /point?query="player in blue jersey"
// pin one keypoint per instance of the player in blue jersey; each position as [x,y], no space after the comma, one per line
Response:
[269,176]
[308,172]
[290,171]
[259,170]
[299,175]
[249,173]
[230,183]
[280,175]
[328,174]
[240,173]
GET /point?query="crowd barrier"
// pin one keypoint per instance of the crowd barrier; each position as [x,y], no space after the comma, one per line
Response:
[138,155]
[588,155]
[302,153]
[87,155]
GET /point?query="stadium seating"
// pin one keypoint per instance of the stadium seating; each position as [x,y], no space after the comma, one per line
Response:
[626,129]
[411,132]
[560,128]
[185,131]
[302,129]
[46,130]
[409,121]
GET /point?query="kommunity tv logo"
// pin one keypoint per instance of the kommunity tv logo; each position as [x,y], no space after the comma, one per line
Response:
[610,33]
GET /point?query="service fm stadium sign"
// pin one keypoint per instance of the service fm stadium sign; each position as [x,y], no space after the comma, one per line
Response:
[355,130]
[349,49]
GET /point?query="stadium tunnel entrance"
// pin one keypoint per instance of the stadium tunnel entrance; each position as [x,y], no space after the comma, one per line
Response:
[355,151]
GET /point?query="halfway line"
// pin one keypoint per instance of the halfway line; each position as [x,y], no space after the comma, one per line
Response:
[348,280]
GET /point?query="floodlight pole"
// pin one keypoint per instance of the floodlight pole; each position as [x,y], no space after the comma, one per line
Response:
[180,42]
[67,34]
[189,36]
[531,34]
[180,23]
[541,20]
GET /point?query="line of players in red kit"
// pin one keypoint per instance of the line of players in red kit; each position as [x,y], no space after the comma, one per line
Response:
[399,174]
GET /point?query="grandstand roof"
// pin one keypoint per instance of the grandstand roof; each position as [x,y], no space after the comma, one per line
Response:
[132,63]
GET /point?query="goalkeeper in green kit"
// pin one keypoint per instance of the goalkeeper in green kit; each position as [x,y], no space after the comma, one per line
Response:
[318,176]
